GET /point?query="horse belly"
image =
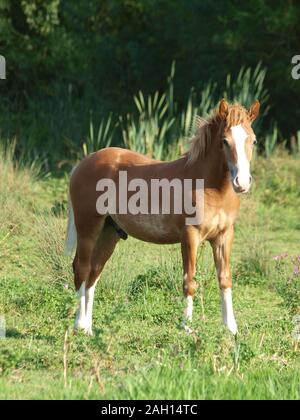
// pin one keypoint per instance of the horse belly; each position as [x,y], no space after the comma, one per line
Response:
[160,229]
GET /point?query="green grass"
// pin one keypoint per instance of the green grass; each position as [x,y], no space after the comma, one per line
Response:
[139,349]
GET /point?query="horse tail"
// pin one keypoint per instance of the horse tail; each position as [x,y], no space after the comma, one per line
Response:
[71,236]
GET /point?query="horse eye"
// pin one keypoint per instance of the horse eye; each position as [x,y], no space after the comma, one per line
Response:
[225,141]
[254,143]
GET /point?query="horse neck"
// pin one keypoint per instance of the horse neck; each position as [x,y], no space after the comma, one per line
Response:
[213,169]
[216,166]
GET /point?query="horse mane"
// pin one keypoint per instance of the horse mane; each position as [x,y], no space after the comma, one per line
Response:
[203,128]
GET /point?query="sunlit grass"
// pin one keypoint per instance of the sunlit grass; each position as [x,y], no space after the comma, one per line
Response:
[139,349]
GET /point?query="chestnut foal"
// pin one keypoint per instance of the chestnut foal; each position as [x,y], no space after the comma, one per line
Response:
[220,154]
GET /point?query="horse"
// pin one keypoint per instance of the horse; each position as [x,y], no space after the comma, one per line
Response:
[219,154]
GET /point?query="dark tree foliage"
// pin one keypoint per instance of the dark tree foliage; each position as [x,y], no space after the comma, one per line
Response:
[65,58]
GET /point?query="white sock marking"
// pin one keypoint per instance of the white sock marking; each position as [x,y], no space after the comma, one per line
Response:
[89,300]
[80,321]
[227,311]
[189,308]
[188,314]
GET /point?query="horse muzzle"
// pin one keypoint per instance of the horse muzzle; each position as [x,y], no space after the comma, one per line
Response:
[241,185]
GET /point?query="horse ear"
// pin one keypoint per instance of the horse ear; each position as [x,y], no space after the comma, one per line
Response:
[254,111]
[223,109]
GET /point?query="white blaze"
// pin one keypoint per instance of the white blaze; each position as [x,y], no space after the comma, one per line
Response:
[227,311]
[243,165]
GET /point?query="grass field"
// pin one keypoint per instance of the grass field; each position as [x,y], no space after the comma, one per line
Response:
[139,350]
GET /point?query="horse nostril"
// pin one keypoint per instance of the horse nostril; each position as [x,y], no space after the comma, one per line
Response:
[236,182]
[250,180]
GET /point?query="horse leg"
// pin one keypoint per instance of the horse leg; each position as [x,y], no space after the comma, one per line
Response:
[87,236]
[222,245]
[103,250]
[189,248]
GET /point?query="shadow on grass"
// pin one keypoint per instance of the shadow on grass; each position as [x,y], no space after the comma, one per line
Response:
[13,333]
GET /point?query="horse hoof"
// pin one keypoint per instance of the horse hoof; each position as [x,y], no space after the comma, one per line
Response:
[187,329]
[85,331]
[88,332]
